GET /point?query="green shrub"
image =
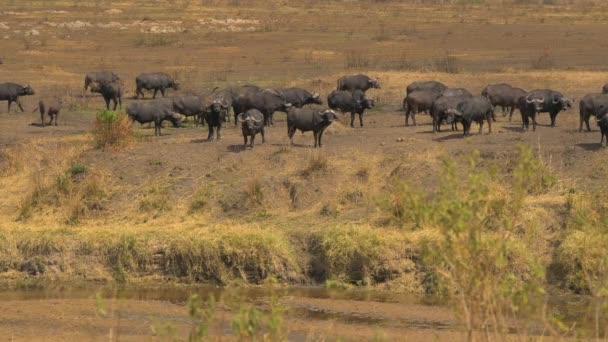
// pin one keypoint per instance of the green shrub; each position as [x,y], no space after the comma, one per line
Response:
[112,129]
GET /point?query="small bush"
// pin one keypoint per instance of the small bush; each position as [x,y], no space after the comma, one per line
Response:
[112,129]
[316,163]
[254,191]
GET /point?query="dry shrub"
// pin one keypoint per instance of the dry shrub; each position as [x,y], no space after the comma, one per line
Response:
[112,129]
[364,256]
[317,163]
[223,254]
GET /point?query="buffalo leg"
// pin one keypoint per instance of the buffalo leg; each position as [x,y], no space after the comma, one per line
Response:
[511,113]
[481,126]
[107,103]
[154,96]
[263,137]
[587,123]
[42,118]
[321,137]
[534,122]
[162,91]
[210,136]
[407,116]
[252,140]
[414,116]
[9,105]
[352,119]
[524,121]
[19,104]
[245,140]
[489,126]
[316,136]
[56,117]
[361,119]
[290,132]
[553,117]
[219,134]
[115,103]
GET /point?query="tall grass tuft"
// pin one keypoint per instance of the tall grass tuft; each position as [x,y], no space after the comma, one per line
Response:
[112,129]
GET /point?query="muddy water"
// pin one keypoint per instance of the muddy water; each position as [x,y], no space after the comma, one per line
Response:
[72,313]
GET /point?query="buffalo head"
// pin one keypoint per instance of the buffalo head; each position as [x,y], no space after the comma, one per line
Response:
[375,83]
[328,115]
[564,102]
[537,102]
[218,105]
[316,98]
[27,90]
[452,115]
[248,121]
[175,85]
[176,120]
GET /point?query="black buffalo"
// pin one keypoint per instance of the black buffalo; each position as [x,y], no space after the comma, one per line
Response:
[590,105]
[542,101]
[418,101]
[309,119]
[353,103]
[190,106]
[11,91]
[299,97]
[215,116]
[432,86]
[603,123]
[155,111]
[252,123]
[111,91]
[439,110]
[154,81]
[503,95]
[230,94]
[50,108]
[357,82]
[100,76]
[476,108]
[605,89]
[266,101]
[456,92]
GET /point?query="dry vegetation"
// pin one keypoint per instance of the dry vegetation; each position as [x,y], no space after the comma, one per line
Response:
[383,206]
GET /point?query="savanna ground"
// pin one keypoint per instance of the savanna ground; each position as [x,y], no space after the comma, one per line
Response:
[362,210]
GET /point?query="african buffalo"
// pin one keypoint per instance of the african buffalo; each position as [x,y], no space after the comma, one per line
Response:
[456,92]
[603,123]
[357,82]
[503,95]
[50,108]
[589,106]
[432,86]
[154,81]
[252,123]
[111,91]
[155,111]
[542,101]
[100,76]
[11,91]
[605,89]
[299,97]
[215,116]
[353,103]
[190,106]
[418,101]
[230,94]
[266,101]
[476,108]
[439,110]
[309,119]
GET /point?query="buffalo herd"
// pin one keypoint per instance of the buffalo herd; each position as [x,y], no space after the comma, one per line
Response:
[254,106]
